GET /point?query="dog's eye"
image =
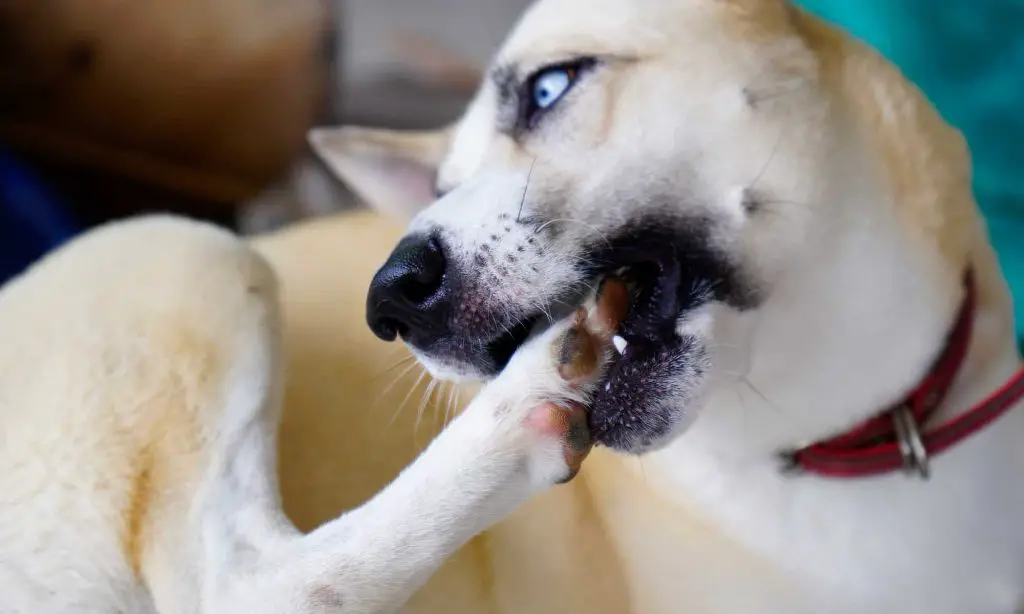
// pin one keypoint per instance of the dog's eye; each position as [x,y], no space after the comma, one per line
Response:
[548,86]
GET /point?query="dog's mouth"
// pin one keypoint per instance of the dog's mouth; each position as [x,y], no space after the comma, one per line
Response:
[636,404]
[655,299]
[654,278]
[668,275]
[652,378]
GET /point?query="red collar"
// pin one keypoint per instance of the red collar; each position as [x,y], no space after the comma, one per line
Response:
[894,440]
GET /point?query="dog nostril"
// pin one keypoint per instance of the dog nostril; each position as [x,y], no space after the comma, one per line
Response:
[425,279]
[388,329]
[409,284]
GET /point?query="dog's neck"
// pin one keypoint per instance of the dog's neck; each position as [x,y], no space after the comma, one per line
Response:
[849,332]
[846,334]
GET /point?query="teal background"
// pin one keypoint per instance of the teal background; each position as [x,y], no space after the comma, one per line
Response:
[968,58]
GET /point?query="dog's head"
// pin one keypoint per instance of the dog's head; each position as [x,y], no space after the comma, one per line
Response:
[687,145]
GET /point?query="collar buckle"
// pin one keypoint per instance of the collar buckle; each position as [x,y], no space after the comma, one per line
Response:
[911,444]
[789,463]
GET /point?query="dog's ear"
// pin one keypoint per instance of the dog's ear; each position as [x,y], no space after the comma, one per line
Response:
[391,171]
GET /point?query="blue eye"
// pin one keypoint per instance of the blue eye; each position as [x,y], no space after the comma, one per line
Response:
[547,87]
[550,85]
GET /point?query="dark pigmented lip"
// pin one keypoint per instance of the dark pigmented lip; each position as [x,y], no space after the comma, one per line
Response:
[501,349]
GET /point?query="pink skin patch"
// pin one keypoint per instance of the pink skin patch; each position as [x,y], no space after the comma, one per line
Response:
[566,423]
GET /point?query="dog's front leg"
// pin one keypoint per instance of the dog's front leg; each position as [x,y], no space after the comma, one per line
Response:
[491,460]
[525,432]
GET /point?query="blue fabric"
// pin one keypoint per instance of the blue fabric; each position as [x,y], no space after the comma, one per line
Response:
[32,221]
[967,56]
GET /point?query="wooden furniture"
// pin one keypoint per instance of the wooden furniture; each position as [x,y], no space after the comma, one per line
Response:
[206,100]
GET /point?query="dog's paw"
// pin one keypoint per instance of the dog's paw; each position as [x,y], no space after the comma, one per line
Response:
[542,396]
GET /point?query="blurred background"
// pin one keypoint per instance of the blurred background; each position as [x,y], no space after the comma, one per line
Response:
[201,107]
[112,108]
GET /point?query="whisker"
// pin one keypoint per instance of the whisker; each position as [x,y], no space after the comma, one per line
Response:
[399,363]
[526,188]
[547,313]
[581,223]
[405,371]
[771,158]
[449,409]
[442,401]
[427,397]
[412,389]
[405,399]
[783,202]
[643,470]
[439,407]
[743,379]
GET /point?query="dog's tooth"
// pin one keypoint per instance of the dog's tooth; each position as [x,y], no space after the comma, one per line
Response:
[619,343]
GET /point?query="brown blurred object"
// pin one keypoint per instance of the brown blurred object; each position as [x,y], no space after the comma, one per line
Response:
[428,85]
[208,99]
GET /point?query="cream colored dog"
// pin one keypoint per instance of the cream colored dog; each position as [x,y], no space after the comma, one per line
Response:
[796,224]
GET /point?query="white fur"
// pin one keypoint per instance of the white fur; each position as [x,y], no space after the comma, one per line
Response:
[131,389]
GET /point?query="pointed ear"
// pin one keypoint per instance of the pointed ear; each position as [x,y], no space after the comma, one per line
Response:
[391,171]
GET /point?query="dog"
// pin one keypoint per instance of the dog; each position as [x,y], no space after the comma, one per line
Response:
[817,323]
[797,228]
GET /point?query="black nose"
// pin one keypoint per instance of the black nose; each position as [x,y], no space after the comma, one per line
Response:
[409,292]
